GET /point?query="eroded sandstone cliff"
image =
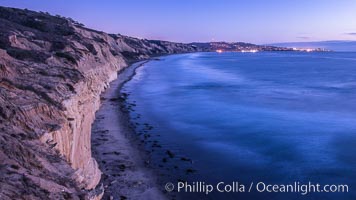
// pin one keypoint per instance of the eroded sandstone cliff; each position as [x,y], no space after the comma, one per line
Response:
[52,71]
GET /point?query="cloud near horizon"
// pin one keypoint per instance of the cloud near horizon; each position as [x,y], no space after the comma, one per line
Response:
[353,34]
[304,37]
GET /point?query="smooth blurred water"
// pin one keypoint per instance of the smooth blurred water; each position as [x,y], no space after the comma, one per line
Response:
[276,117]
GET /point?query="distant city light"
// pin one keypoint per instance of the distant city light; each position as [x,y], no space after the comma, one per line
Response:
[250,51]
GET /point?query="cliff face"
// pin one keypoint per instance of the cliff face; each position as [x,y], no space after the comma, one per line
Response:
[52,71]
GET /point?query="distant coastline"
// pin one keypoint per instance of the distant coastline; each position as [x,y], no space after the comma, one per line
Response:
[334,45]
[248,47]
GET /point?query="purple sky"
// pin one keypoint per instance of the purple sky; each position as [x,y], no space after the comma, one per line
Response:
[256,21]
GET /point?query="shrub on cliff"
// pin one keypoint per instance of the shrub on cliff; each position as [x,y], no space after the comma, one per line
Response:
[67,56]
[28,55]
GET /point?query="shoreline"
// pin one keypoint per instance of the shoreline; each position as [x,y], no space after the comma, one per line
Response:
[120,156]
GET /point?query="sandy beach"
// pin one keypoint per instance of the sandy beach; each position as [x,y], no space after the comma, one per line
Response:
[118,152]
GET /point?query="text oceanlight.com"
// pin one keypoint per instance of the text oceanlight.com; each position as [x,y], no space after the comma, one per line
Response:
[236,187]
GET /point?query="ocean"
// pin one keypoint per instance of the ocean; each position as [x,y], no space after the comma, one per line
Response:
[265,118]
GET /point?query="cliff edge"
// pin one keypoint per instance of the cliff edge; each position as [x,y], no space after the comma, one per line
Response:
[52,71]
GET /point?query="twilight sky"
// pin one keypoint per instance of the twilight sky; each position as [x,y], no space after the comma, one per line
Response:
[256,21]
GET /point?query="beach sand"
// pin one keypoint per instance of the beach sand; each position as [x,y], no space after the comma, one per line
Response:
[117,150]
